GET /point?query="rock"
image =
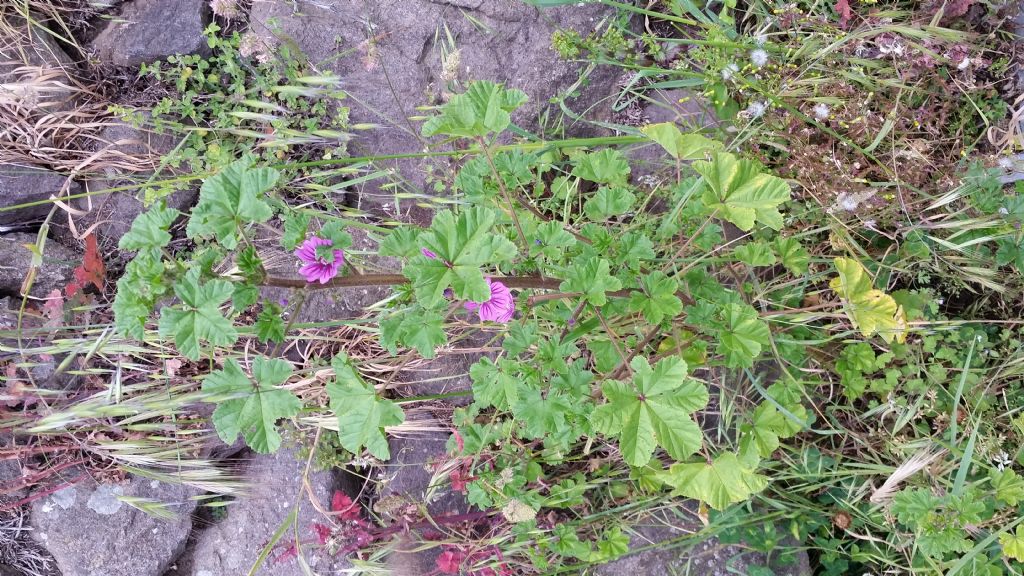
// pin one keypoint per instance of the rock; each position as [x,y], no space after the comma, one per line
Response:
[24,184]
[709,557]
[497,40]
[32,59]
[447,373]
[151,30]
[110,214]
[231,546]
[16,260]
[90,532]
[409,478]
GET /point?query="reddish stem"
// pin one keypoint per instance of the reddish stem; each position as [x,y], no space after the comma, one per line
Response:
[41,494]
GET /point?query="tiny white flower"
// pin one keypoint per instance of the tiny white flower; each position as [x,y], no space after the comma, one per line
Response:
[1003,210]
[870,224]
[940,301]
[977,338]
[963,64]
[756,109]
[821,111]
[1002,460]
[759,57]
[729,70]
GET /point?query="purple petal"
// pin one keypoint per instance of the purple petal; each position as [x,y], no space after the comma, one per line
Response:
[428,253]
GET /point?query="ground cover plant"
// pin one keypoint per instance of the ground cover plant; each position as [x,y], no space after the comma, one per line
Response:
[800,334]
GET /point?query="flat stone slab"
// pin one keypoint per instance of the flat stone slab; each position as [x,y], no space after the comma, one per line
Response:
[91,531]
[149,30]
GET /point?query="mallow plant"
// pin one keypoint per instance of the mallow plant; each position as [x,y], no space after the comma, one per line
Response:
[607,305]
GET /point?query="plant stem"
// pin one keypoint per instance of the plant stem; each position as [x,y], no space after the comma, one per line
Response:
[504,191]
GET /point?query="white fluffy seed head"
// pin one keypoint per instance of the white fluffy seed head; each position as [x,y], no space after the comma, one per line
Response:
[759,57]
[821,111]
[756,109]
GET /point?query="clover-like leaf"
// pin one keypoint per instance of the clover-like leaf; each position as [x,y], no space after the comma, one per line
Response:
[609,201]
[658,300]
[607,166]
[768,425]
[362,414]
[269,324]
[493,385]
[680,146]
[231,199]
[149,229]
[249,408]
[485,107]
[592,278]
[794,256]
[741,193]
[756,254]
[870,310]
[727,480]
[1008,486]
[198,318]
[463,244]
[742,335]
[655,410]
[552,241]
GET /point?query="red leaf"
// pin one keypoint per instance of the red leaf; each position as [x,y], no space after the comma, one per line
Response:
[92,271]
[450,561]
[460,477]
[341,502]
[323,533]
[842,8]
[288,554]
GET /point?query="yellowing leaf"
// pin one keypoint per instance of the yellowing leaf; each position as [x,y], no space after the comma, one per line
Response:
[680,146]
[870,310]
[741,193]
[725,481]
[1013,544]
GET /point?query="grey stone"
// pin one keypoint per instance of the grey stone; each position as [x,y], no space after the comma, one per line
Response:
[659,547]
[409,477]
[25,184]
[392,63]
[65,498]
[104,499]
[31,53]
[231,546]
[151,30]
[99,534]
[110,214]
[16,259]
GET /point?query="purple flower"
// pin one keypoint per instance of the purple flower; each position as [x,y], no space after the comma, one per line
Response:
[428,253]
[316,268]
[499,307]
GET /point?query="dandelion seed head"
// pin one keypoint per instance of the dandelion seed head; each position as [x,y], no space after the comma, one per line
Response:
[821,111]
[756,109]
[759,57]
[729,71]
